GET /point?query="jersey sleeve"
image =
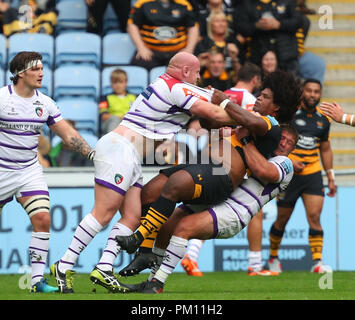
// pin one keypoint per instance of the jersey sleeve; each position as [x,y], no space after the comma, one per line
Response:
[184,96]
[285,168]
[54,114]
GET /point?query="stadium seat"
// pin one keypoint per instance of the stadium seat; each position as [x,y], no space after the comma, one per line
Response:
[156,72]
[79,81]
[83,111]
[3,54]
[78,47]
[47,81]
[42,43]
[117,49]
[72,16]
[137,79]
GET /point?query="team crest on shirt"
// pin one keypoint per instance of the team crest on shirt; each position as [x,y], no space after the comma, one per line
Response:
[118,178]
[39,111]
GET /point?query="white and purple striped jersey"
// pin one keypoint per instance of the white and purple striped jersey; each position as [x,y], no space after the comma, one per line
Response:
[162,109]
[21,121]
[247,200]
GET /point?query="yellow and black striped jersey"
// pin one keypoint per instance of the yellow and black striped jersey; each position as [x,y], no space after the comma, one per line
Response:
[265,144]
[313,128]
[163,28]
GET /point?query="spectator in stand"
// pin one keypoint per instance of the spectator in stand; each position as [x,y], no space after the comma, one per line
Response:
[269,62]
[114,106]
[96,11]
[311,65]
[160,29]
[218,38]
[35,17]
[215,6]
[271,25]
[215,74]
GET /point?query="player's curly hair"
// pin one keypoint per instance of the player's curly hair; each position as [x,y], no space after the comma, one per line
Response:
[20,61]
[287,93]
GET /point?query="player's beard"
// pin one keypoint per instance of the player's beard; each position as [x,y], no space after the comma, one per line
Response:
[310,106]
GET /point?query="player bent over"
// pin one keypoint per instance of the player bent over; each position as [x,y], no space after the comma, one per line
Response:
[269,177]
[23,112]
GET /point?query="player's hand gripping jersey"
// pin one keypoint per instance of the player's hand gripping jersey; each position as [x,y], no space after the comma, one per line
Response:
[162,109]
[21,121]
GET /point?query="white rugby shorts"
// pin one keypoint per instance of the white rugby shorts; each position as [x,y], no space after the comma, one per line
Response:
[117,163]
[226,221]
[22,183]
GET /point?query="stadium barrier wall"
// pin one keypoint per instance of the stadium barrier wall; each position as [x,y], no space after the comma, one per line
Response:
[72,197]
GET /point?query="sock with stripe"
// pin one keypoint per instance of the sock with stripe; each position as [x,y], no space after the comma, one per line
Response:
[194,248]
[275,237]
[159,254]
[157,215]
[87,229]
[173,254]
[38,251]
[315,238]
[112,249]
[148,243]
[255,261]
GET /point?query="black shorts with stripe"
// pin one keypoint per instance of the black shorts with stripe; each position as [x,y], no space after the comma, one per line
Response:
[307,184]
[212,183]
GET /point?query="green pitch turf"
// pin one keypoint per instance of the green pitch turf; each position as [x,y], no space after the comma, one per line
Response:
[212,286]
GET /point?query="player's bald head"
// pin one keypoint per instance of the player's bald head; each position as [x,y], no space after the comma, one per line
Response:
[182,66]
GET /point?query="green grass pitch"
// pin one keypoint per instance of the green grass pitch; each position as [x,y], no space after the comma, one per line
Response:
[290,285]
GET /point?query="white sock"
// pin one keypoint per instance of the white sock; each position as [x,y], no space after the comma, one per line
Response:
[173,254]
[38,251]
[112,249]
[159,253]
[255,261]
[87,229]
[194,248]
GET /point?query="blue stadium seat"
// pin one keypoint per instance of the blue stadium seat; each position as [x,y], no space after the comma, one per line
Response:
[78,47]
[72,16]
[76,81]
[117,49]
[83,111]
[47,81]
[3,51]
[156,72]
[42,43]
[137,79]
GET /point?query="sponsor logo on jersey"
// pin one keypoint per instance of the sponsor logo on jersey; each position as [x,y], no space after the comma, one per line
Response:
[189,92]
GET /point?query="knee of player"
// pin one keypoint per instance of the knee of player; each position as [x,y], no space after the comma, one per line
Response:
[179,186]
[41,221]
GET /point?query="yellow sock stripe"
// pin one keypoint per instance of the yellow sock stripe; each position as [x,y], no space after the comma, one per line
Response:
[151,223]
[148,243]
[157,213]
[316,244]
[275,242]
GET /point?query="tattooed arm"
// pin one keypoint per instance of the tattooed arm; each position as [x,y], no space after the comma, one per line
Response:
[72,139]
